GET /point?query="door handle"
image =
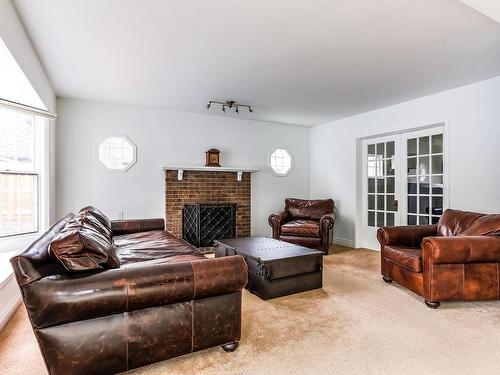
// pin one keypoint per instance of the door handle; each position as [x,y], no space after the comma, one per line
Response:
[395,204]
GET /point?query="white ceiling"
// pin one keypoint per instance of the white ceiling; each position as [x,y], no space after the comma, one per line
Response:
[490,8]
[295,61]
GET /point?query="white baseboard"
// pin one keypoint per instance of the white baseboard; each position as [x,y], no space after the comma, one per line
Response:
[8,311]
[343,242]
[10,301]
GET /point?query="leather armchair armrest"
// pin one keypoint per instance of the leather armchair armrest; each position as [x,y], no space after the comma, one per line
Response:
[276,220]
[462,249]
[327,221]
[409,235]
[66,298]
[119,227]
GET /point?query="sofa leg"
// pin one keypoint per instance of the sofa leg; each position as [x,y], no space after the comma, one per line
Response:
[231,347]
[432,304]
[386,279]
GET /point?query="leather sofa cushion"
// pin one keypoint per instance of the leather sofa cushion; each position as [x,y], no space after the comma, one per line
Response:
[407,257]
[83,245]
[306,228]
[151,245]
[308,209]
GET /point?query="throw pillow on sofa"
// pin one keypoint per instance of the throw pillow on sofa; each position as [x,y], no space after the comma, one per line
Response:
[99,217]
[83,246]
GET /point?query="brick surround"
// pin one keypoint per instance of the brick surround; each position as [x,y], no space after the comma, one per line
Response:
[207,187]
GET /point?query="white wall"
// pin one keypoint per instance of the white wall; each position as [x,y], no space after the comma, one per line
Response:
[473,116]
[166,137]
[14,36]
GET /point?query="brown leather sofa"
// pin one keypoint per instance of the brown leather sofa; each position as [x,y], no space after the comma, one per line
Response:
[305,222]
[165,299]
[455,260]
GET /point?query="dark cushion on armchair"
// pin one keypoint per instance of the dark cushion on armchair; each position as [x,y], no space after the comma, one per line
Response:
[306,228]
[407,257]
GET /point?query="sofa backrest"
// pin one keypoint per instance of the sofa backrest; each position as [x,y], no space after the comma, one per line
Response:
[465,223]
[308,209]
[34,262]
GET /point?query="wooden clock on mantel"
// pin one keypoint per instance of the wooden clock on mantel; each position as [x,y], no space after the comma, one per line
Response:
[212,158]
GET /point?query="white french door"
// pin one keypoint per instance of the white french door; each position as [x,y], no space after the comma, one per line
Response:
[381,187]
[403,181]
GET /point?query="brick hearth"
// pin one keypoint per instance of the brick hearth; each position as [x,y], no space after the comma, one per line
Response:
[207,187]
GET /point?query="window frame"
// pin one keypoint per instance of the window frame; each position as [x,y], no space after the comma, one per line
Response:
[16,242]
[269,161]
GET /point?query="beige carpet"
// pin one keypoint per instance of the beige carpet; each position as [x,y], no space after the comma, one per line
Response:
[356,324]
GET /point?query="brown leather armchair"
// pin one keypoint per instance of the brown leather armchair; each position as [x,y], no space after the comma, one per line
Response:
[455,260]
[164,300]
[305,222]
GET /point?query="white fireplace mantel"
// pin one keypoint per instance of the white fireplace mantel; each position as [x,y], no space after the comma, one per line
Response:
[180,170]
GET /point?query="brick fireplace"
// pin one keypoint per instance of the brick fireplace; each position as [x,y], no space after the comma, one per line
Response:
[207,186]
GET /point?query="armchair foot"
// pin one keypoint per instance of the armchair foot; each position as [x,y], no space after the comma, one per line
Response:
[231,347]
[386,279]
[432,304]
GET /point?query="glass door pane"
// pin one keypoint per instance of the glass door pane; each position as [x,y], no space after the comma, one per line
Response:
[381,191]
[424,177]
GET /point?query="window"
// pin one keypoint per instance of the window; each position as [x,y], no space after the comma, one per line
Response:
[280,162]
[117,153]
[24,160]
[19,173]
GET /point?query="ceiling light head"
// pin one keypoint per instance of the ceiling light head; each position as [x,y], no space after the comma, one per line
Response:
[229,104]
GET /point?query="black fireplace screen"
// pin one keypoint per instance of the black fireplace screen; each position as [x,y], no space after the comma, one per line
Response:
[202,224]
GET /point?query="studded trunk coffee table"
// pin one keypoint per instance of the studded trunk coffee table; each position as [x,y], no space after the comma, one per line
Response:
[275,268]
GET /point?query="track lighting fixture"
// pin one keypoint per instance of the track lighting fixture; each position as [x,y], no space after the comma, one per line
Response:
[229,104]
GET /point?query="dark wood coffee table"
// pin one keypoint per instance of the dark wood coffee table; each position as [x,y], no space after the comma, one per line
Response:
[275,268]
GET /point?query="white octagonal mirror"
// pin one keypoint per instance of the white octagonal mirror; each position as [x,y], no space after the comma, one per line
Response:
[117,153]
